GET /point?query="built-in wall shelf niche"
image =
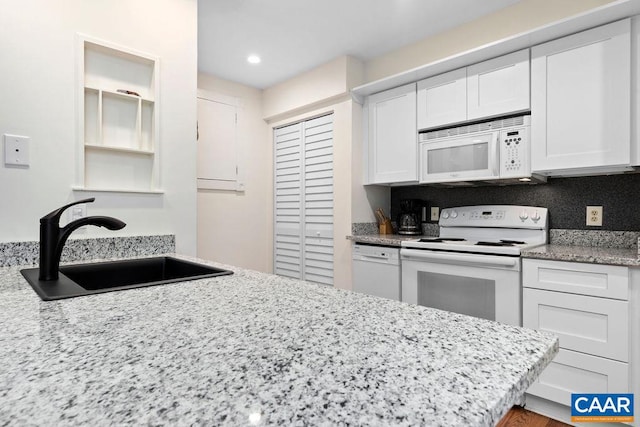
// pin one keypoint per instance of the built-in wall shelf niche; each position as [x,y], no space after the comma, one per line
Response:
[118,118]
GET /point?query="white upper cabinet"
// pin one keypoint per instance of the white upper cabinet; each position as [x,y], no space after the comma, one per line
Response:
[580,105]
[442,99]
[392,137]
[498,86]
[491,88]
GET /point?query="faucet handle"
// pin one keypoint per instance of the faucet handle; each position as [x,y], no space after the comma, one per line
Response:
[55,215]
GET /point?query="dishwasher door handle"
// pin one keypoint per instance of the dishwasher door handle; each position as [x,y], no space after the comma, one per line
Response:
[456,258]
[375,257]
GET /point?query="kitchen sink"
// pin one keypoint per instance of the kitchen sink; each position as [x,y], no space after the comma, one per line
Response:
[88,279]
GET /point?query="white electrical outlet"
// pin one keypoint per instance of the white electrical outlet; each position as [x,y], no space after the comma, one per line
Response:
[76,212]
[435,213]
[16,150]
[594,216]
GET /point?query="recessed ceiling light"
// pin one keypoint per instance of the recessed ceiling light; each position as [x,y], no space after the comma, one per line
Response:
[253,59]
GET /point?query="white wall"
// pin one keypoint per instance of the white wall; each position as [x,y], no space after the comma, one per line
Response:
[38,81]
[235,227]
[301,98]
[520,17]
[313,89]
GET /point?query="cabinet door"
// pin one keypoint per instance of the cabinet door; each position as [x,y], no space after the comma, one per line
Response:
[217,145]
[598,280]
[597,326]
[442,99]
[573,372]
[580,102]
[393,146]
[498,86]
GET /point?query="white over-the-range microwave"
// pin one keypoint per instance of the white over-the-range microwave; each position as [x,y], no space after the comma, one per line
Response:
[496,150]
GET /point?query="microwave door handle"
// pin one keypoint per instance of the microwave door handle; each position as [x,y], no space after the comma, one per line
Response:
[495,159]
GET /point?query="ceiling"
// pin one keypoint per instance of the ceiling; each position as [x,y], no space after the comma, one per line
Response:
[293,36]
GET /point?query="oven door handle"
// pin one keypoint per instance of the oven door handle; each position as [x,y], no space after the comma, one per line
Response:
[456,258]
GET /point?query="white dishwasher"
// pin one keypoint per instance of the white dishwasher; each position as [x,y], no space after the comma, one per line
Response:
[376,271]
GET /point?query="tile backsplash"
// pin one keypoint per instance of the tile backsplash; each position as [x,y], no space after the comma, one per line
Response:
[566,199]
[27,253]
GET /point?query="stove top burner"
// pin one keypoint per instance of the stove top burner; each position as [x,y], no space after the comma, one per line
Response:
[501,243]
[494,244]
[515,242]
[442,239]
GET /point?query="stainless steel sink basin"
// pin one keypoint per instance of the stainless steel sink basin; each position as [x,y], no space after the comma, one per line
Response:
[87,279]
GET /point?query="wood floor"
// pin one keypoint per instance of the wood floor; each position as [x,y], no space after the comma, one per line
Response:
[520,417]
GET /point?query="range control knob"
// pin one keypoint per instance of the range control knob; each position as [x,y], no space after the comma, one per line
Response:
[535,217]
[454,214]
[523,216]
[445,215]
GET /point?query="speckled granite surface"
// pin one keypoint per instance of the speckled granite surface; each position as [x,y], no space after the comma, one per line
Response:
[360,228]
[600,247]
[393,240]
[370,228]
[594,255]
[26,253]
[598,238]
[254,348]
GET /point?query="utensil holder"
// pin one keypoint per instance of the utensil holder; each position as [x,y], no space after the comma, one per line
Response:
[386,228]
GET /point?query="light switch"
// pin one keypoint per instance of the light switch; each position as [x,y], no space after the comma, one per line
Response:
[16,150]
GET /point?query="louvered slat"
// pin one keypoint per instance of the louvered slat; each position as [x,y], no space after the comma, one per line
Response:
[303,157]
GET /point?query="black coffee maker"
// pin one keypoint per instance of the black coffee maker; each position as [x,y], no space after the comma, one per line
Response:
[409,220]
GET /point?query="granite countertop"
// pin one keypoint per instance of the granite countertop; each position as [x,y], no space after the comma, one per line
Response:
[393,240]
[589,254]
[254,349]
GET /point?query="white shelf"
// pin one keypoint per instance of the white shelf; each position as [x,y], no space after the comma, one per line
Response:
[115,190]
[115,92]
[117,148]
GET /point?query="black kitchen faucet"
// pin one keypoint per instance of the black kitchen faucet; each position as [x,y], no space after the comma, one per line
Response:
[53,238]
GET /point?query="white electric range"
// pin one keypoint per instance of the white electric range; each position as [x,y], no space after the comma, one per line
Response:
[473,267]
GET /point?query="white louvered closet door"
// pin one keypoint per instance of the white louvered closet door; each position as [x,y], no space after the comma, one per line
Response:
[304,200]
[288,201]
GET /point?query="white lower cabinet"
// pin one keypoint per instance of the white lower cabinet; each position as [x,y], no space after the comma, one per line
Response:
[574,372]
[587,307]
[588,324]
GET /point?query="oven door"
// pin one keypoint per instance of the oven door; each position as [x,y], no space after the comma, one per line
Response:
[469,158]
[485,286]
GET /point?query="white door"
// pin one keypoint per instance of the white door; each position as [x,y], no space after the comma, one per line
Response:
[217,144]
[288,201]
[580,100]
[393,138]
[498,86]
[304,200]
[442,99]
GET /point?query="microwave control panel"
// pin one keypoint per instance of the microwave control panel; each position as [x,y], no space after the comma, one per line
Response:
[514,153]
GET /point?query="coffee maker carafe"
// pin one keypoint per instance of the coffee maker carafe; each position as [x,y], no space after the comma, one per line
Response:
[409,219]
